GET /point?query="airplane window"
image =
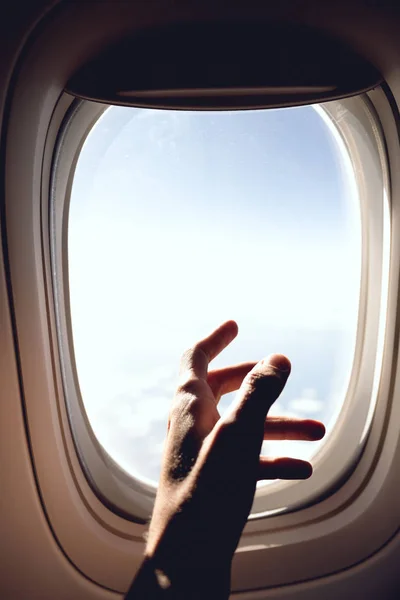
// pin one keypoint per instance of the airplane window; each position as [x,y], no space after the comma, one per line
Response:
[181,220]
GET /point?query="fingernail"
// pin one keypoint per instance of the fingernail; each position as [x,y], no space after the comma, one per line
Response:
[278,362]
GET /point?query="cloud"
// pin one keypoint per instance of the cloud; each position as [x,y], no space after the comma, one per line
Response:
[132,425]
[308,403]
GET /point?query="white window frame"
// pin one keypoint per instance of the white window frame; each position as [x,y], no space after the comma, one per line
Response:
[353,124]
[351,524]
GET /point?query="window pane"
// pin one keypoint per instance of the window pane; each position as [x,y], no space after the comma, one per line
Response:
[181,220]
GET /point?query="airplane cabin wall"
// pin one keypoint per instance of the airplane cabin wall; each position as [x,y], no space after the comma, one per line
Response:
[32,564]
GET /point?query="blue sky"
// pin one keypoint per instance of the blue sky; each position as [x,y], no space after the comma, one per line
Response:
[181,220]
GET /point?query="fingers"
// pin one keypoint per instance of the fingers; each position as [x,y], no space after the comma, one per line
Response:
[289,428]
[196,359]
[258,391]
[283,468]
[228,379]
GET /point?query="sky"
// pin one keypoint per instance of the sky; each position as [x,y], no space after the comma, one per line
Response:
[181,220]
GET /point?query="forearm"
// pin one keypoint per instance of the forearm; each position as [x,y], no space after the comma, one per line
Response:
[153,582]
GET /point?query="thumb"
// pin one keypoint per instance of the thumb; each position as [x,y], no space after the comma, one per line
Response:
[259,390]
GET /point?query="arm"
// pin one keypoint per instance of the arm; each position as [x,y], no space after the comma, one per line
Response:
[210,469]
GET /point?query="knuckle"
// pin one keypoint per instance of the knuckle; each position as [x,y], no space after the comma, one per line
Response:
[187,399]
[200,350]
[254,380]
[187,353]
[192,356]
[187,356]
[227,428]
[259,382]
[193,408]
[188,386]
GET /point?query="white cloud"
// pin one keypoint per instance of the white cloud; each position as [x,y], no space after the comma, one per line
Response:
[307,404]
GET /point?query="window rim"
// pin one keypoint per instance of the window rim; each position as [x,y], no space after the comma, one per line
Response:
[87,113]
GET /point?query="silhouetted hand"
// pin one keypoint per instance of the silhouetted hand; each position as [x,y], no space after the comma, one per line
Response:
[211,465]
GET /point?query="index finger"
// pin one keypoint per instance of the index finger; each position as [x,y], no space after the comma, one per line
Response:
[197,358]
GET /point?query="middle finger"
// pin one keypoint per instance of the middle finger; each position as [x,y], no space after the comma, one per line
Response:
[290,428]
[228,379]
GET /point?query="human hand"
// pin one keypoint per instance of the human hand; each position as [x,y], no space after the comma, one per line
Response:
[211,466]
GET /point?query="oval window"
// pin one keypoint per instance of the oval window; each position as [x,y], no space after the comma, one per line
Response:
[181,220]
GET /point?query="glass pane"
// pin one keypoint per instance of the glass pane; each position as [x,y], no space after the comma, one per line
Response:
[181,220]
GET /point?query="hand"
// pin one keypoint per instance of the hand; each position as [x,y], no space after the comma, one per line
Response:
[211,466]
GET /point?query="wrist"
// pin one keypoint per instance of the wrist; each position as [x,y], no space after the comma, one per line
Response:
[165,579]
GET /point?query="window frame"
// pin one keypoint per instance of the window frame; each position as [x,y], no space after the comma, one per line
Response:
[355,521]
[349,120]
